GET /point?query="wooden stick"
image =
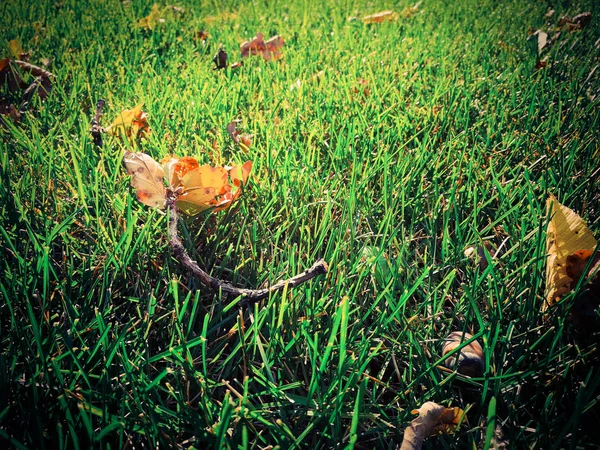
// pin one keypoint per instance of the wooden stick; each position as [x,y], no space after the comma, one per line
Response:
[96,129]
[248,296]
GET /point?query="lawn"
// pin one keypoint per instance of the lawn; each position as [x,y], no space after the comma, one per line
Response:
[387,149]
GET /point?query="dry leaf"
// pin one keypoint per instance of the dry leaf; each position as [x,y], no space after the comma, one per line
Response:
[147,179]
[433,419]
[470,357]
[9,75]
[578,22]
[131,122]
[220,59]
[195,188]
[152,19]
[257,45]
[15,48]
[380,17]
[542,39]
[243,140]
[566,235]
[549,14]
[10,111]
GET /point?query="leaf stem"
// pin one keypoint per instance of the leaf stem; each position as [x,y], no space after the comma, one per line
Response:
[248,296]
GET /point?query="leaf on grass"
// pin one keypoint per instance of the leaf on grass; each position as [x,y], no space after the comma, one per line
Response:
[147,179]
[131,122]
[381,17]
[244,140]
[152,19]
[567,236]
[220,59]
[16,50]
[10,76]
[269,49]
[196,188]
[577,22]
[470,357]
[541,38]
[9,110]
[433,419]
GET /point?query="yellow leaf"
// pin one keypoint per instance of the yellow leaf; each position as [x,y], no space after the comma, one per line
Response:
[15,48]
[433,418]
[567,234]
[131,122]
[147,178]
[151,19]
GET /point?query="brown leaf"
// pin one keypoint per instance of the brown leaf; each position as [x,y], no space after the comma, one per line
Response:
[578,22]
[10,76]
[257,46]
[433,419]
[243,140]
[381,17]
[220,59]
[10,111]
[470,357]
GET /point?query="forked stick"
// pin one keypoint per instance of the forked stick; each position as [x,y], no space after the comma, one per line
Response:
[248,296]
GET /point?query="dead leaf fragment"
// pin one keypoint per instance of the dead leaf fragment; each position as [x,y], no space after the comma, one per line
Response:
[549,14]
[577,22]
[257,45]
[542,39]
[242,139]
[567,235]
[381,17]
[220,59]
[433,419]
[10,111]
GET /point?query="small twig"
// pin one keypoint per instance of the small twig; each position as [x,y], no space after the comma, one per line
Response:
[96,129]
[248,296]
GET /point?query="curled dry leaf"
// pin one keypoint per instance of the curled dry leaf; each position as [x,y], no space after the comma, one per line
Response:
[132,123]
[196,188]
[470,357]
[269,49]
[220,59]
[381,17]
[567,240]
[433,419]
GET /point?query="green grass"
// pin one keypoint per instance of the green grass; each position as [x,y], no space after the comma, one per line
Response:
[107,342]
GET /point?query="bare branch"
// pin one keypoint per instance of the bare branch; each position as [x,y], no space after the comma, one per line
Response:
[248,296]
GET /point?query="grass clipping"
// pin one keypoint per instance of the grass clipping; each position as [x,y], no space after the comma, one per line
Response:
[433,418]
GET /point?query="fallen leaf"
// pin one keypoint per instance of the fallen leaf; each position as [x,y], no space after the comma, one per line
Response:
[470,357]
[381,17]
[131,122]
[566,235]
[10,111]
[410,10]
[433,419]
[578,22]
[549,14]
[257,46]
[10,76]
[220,59]
[542,39]
[577,263]
[152,19]
[147,179]
[202,35]
[16,50]
[242,139]
[194,188]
